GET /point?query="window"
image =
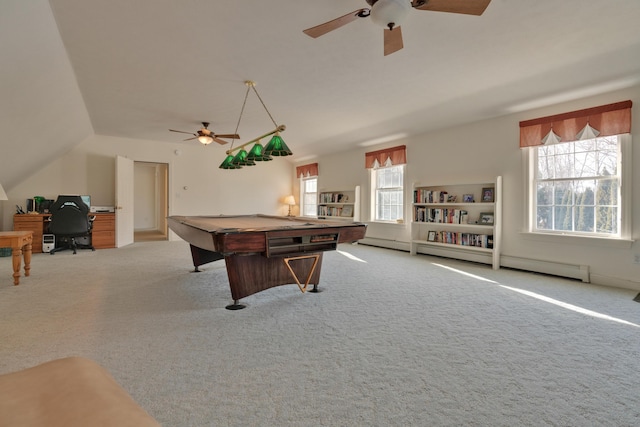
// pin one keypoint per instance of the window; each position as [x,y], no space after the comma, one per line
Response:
[577,188]
[388,193]
[309,196]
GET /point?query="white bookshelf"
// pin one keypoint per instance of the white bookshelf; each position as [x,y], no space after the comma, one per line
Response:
[339,204]
[446,222]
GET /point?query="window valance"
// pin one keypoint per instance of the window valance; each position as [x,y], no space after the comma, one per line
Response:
[606,120]
[307,170]
[396,155]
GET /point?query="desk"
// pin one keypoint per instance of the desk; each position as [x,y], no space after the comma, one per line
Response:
[20,243]
[262,251]
[103,232]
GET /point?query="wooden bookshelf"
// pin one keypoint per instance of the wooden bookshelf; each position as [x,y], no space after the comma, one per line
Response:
[458,221]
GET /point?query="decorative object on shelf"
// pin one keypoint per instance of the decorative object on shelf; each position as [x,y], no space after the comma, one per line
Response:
[37,202]
[291,201]
[347,211]
[487,194]
[275,146]
[486,218]
[431,237]
[467,198]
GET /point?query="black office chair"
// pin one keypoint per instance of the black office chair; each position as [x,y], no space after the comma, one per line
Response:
[69,221]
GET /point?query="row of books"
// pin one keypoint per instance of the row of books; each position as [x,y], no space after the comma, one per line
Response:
[334,211]
[463,239]
[439,215]
[422,195]
[333,198]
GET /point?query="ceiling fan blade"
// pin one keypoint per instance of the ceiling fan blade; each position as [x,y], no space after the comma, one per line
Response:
[189,139]
[392,41]
[323,29]
[219,141]
[228,135]
[468,7]
[181,131]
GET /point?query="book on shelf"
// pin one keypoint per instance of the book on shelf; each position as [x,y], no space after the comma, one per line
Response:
[463,239]
[422,195]
[333,198]
[440,215]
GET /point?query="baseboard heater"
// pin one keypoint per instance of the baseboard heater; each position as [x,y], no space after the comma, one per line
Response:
[572,271]
[385,243]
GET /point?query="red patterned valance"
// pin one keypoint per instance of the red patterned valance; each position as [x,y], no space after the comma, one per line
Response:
[611,119]
[397,155]
[307,170]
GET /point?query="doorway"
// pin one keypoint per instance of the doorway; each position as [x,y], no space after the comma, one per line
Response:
[151,207]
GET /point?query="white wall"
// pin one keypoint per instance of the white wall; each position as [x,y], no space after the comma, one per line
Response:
[465,153]
[479,152]
[197,186]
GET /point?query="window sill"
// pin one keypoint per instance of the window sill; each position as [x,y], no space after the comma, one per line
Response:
[578,240]
[390,223]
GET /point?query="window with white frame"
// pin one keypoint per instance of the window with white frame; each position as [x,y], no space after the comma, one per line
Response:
[580,172]
[577,187]
[388,193]
[309,196]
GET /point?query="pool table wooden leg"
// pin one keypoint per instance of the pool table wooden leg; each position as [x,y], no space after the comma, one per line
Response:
[315,257]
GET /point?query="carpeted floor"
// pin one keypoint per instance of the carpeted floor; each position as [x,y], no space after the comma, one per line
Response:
[392,340]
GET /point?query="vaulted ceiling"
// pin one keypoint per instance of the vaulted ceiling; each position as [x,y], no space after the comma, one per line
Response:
[134,69]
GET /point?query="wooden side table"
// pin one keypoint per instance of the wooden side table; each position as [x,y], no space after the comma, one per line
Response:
[20,243]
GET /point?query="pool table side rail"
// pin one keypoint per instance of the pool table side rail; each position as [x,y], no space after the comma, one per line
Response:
[229,241]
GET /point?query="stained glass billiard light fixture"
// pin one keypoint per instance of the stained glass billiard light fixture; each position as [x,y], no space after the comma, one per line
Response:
[258,153]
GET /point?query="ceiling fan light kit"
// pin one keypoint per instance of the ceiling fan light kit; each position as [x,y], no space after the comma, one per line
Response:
[389,14]
[275,146]
[206,137]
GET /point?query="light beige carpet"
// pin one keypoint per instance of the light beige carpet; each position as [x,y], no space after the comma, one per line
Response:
[393,340]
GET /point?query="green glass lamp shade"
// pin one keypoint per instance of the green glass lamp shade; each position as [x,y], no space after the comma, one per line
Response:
[276,147]
[256,153]
[241,159]
[227,164]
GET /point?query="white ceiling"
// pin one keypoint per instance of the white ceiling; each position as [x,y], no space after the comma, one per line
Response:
[145,66]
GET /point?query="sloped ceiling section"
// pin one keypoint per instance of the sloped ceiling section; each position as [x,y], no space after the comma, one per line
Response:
[134,69]
[42,113]
[146,66]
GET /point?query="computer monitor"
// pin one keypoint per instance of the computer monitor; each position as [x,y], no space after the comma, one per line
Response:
[87,200]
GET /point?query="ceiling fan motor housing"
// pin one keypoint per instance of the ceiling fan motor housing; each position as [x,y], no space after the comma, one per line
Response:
[389,13]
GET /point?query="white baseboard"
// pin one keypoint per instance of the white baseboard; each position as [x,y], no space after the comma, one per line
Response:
[615,282]
[573,271]
[385,243]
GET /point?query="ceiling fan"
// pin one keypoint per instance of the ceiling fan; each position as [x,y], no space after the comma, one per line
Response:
[389,14]
[206,137]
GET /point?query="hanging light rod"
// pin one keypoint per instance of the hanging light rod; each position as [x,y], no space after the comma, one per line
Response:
[275,147]
[280,128]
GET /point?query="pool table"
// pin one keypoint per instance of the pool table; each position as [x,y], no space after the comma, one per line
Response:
[263,251]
